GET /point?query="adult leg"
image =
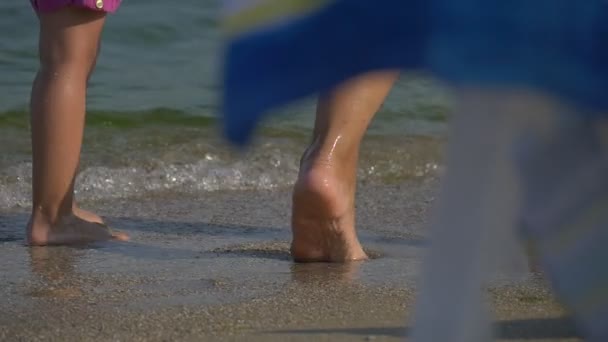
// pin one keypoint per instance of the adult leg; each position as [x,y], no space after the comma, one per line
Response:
[323,213]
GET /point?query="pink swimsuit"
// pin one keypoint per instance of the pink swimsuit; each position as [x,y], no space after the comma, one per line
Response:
[95,5]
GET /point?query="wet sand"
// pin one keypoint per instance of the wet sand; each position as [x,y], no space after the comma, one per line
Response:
[217,268]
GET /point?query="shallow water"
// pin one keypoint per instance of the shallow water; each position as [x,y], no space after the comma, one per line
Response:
[216,266]
[201,249]
[153,104]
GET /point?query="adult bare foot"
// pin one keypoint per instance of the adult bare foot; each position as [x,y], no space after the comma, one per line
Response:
[70,230]
[323,213]
[323,216]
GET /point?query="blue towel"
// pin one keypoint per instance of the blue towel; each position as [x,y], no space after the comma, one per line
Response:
[278,51]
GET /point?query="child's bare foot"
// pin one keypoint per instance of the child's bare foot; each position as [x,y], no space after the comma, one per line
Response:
[79,228]
[87,215]
[323,215]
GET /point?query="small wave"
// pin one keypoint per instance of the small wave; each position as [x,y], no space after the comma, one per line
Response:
[147,160]
[209,174]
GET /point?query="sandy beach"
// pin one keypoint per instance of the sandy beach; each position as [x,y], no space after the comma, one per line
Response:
[208,258]
[217,268]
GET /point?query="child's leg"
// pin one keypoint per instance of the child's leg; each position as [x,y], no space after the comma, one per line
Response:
[69,43]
